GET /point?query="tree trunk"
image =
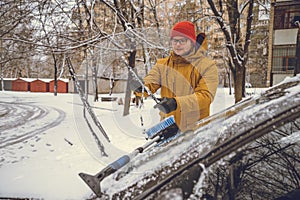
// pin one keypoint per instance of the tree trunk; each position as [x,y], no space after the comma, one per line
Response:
[131,61]
[96,98]
[244,82]
[229,83]
[2,77]
[55,74]
[95,79]
[238,84]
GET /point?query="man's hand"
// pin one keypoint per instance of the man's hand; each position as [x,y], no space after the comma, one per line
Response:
[166,105]
[136,85]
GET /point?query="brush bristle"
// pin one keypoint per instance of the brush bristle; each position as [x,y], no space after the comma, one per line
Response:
[153,131]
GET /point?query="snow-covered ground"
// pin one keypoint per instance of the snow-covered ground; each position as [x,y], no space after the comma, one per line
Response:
[45,142]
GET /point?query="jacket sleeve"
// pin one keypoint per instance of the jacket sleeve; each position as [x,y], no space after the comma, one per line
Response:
[152,80]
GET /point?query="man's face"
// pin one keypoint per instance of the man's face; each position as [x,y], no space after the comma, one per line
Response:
[181,45]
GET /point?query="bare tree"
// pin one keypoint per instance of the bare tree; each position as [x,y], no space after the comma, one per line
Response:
[15,17]
[50,36]
[129,16]
[237,39]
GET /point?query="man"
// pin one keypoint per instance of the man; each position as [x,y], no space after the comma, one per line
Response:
[187,78]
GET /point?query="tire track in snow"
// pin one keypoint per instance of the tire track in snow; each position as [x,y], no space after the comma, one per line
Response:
[21,121]
[18,114]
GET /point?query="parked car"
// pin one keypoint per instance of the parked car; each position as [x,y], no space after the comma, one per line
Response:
[248,151]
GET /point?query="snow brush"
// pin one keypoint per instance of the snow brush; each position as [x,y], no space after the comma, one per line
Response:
[164,130]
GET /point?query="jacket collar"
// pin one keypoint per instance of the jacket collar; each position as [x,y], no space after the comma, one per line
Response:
[190,58]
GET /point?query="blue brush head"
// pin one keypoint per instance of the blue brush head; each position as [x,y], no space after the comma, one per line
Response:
[158,128]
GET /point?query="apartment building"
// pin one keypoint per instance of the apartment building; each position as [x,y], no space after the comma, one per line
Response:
[284,45]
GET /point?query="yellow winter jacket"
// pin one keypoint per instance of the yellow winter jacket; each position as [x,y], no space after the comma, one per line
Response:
[192,81]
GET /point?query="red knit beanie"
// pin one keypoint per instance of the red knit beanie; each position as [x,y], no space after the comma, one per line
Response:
[185,29]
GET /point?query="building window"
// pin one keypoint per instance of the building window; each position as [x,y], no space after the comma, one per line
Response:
[286,16]
[284,59]
[288,63]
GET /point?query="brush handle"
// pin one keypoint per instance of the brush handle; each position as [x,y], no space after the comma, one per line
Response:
[122,161]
